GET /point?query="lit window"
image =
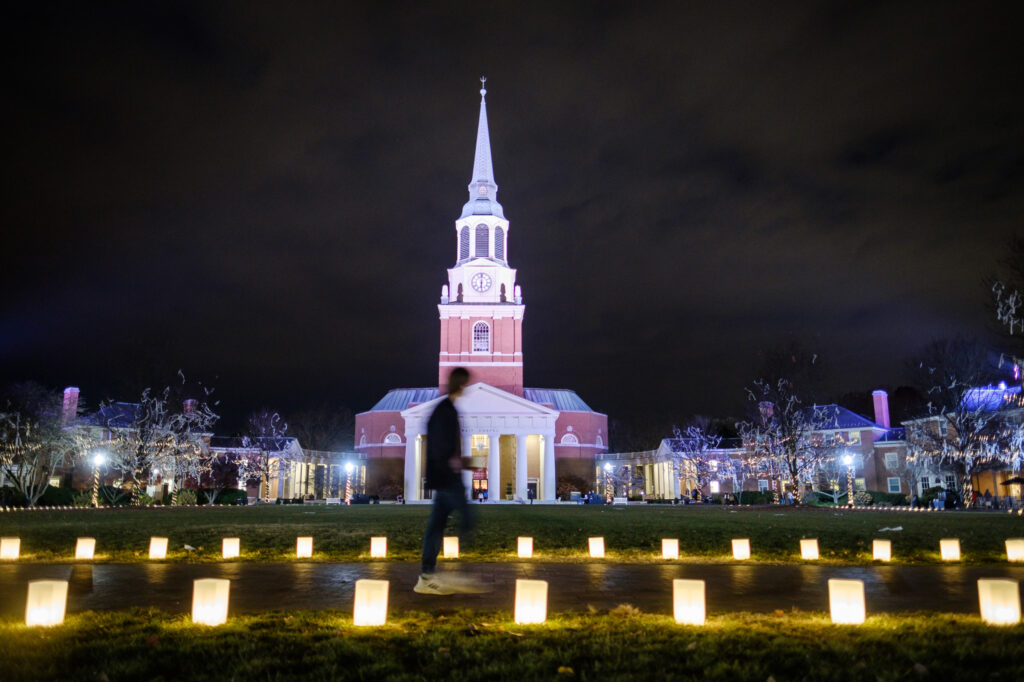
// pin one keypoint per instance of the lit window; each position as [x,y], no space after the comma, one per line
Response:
[853,438]
[892,460]
[894,484]
[570,439]
[481,241]
[481,337]
[392,438]
[715,488]
[762,485]
[858,484]
[950,481]
[499,243]
[464,243]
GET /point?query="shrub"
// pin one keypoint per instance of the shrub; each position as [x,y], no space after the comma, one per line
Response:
[145,500]
[9,497]
[57,497]
[862,498]
[82,498]
[111,496]
[756,497]
[888,498]
[186,497]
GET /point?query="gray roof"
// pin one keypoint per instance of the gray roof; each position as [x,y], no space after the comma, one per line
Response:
[113,415]
[563,399]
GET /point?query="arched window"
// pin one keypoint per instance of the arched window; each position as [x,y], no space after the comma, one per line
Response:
[481,337]
[392,439]
[464,243]
[481,241]
[499,243]
[570,439]
[362,439]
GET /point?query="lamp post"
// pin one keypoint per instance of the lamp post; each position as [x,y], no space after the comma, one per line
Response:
[608,491]
[848,460]
[348,482]
[98,459]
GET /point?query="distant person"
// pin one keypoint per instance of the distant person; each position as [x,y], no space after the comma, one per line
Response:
[444,477]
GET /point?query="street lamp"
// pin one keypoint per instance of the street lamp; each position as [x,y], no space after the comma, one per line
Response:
[608,490]
[848,460]
[349,468]
[98,460]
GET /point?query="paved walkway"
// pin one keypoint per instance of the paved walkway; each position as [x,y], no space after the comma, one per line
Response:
[258,587]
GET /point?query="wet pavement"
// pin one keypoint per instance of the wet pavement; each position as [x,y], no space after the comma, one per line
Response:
[258,587]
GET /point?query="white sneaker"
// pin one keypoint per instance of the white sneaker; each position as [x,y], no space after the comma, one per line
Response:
[429,583]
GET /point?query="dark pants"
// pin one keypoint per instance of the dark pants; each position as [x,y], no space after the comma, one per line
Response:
[445,502]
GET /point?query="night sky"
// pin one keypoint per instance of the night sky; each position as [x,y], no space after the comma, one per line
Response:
[264,194]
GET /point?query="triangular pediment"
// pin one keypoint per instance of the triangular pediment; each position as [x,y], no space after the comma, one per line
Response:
[483,399]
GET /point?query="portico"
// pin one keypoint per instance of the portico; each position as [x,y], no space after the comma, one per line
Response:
[516,435]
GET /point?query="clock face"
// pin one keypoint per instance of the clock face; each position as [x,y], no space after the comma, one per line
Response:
[481,282]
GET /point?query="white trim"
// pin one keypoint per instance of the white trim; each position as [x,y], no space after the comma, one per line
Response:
[579,445]
[481,364]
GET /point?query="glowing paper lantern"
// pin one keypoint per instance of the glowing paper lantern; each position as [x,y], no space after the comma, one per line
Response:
[531,601]
[47,600]
[846,601]
[451,547]
[1000,601]
[525,547]
[596,548]
[210,601]
[688,601]
[950,548]
[741,548]
[882,550]
[1014,549]
[378,547]
[230,548]
[10,548]
[85,548]
[304,547]
[809,549]
[371,602]
[158,548]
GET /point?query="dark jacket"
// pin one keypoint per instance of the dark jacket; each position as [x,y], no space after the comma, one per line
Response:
[443,443]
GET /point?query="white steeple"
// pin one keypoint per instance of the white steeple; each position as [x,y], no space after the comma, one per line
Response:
[483,191]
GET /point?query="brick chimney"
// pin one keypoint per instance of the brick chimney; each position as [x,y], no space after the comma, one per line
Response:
[70,409]
[881,399]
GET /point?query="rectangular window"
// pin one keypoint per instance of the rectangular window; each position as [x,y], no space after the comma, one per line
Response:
[762,484]
[858,484]
[950,482]
[892,461]
[853,438]
[894,484]
[715,488]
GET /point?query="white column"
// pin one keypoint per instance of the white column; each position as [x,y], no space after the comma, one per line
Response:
[548,479]
[494,469]
[675,480]
[412,484]
[467,474]
[521,471]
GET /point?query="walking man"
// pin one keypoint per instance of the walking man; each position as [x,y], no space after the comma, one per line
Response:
[444,477]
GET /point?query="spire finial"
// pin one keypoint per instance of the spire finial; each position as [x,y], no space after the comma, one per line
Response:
[483,86]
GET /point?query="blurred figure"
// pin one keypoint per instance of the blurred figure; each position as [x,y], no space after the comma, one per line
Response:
[444,477]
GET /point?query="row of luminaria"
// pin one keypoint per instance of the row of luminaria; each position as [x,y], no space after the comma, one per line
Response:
[999,600]
[949,548]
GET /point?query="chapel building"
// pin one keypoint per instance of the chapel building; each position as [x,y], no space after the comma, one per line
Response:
[530,437]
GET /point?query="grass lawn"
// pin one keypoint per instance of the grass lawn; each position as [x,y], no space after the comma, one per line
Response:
[560,532]
[324,645]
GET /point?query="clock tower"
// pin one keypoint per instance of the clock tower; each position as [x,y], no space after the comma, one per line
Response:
[481,307]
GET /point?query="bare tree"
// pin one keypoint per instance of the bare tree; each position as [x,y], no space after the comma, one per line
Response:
[265,442]
[693,454]
[965,426]
[35,439]
[784,439]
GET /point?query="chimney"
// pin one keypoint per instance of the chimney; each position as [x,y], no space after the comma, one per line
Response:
[190,405]
[881,399]
[70,409]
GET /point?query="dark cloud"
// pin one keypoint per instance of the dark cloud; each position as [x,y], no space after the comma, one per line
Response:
[266,193]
